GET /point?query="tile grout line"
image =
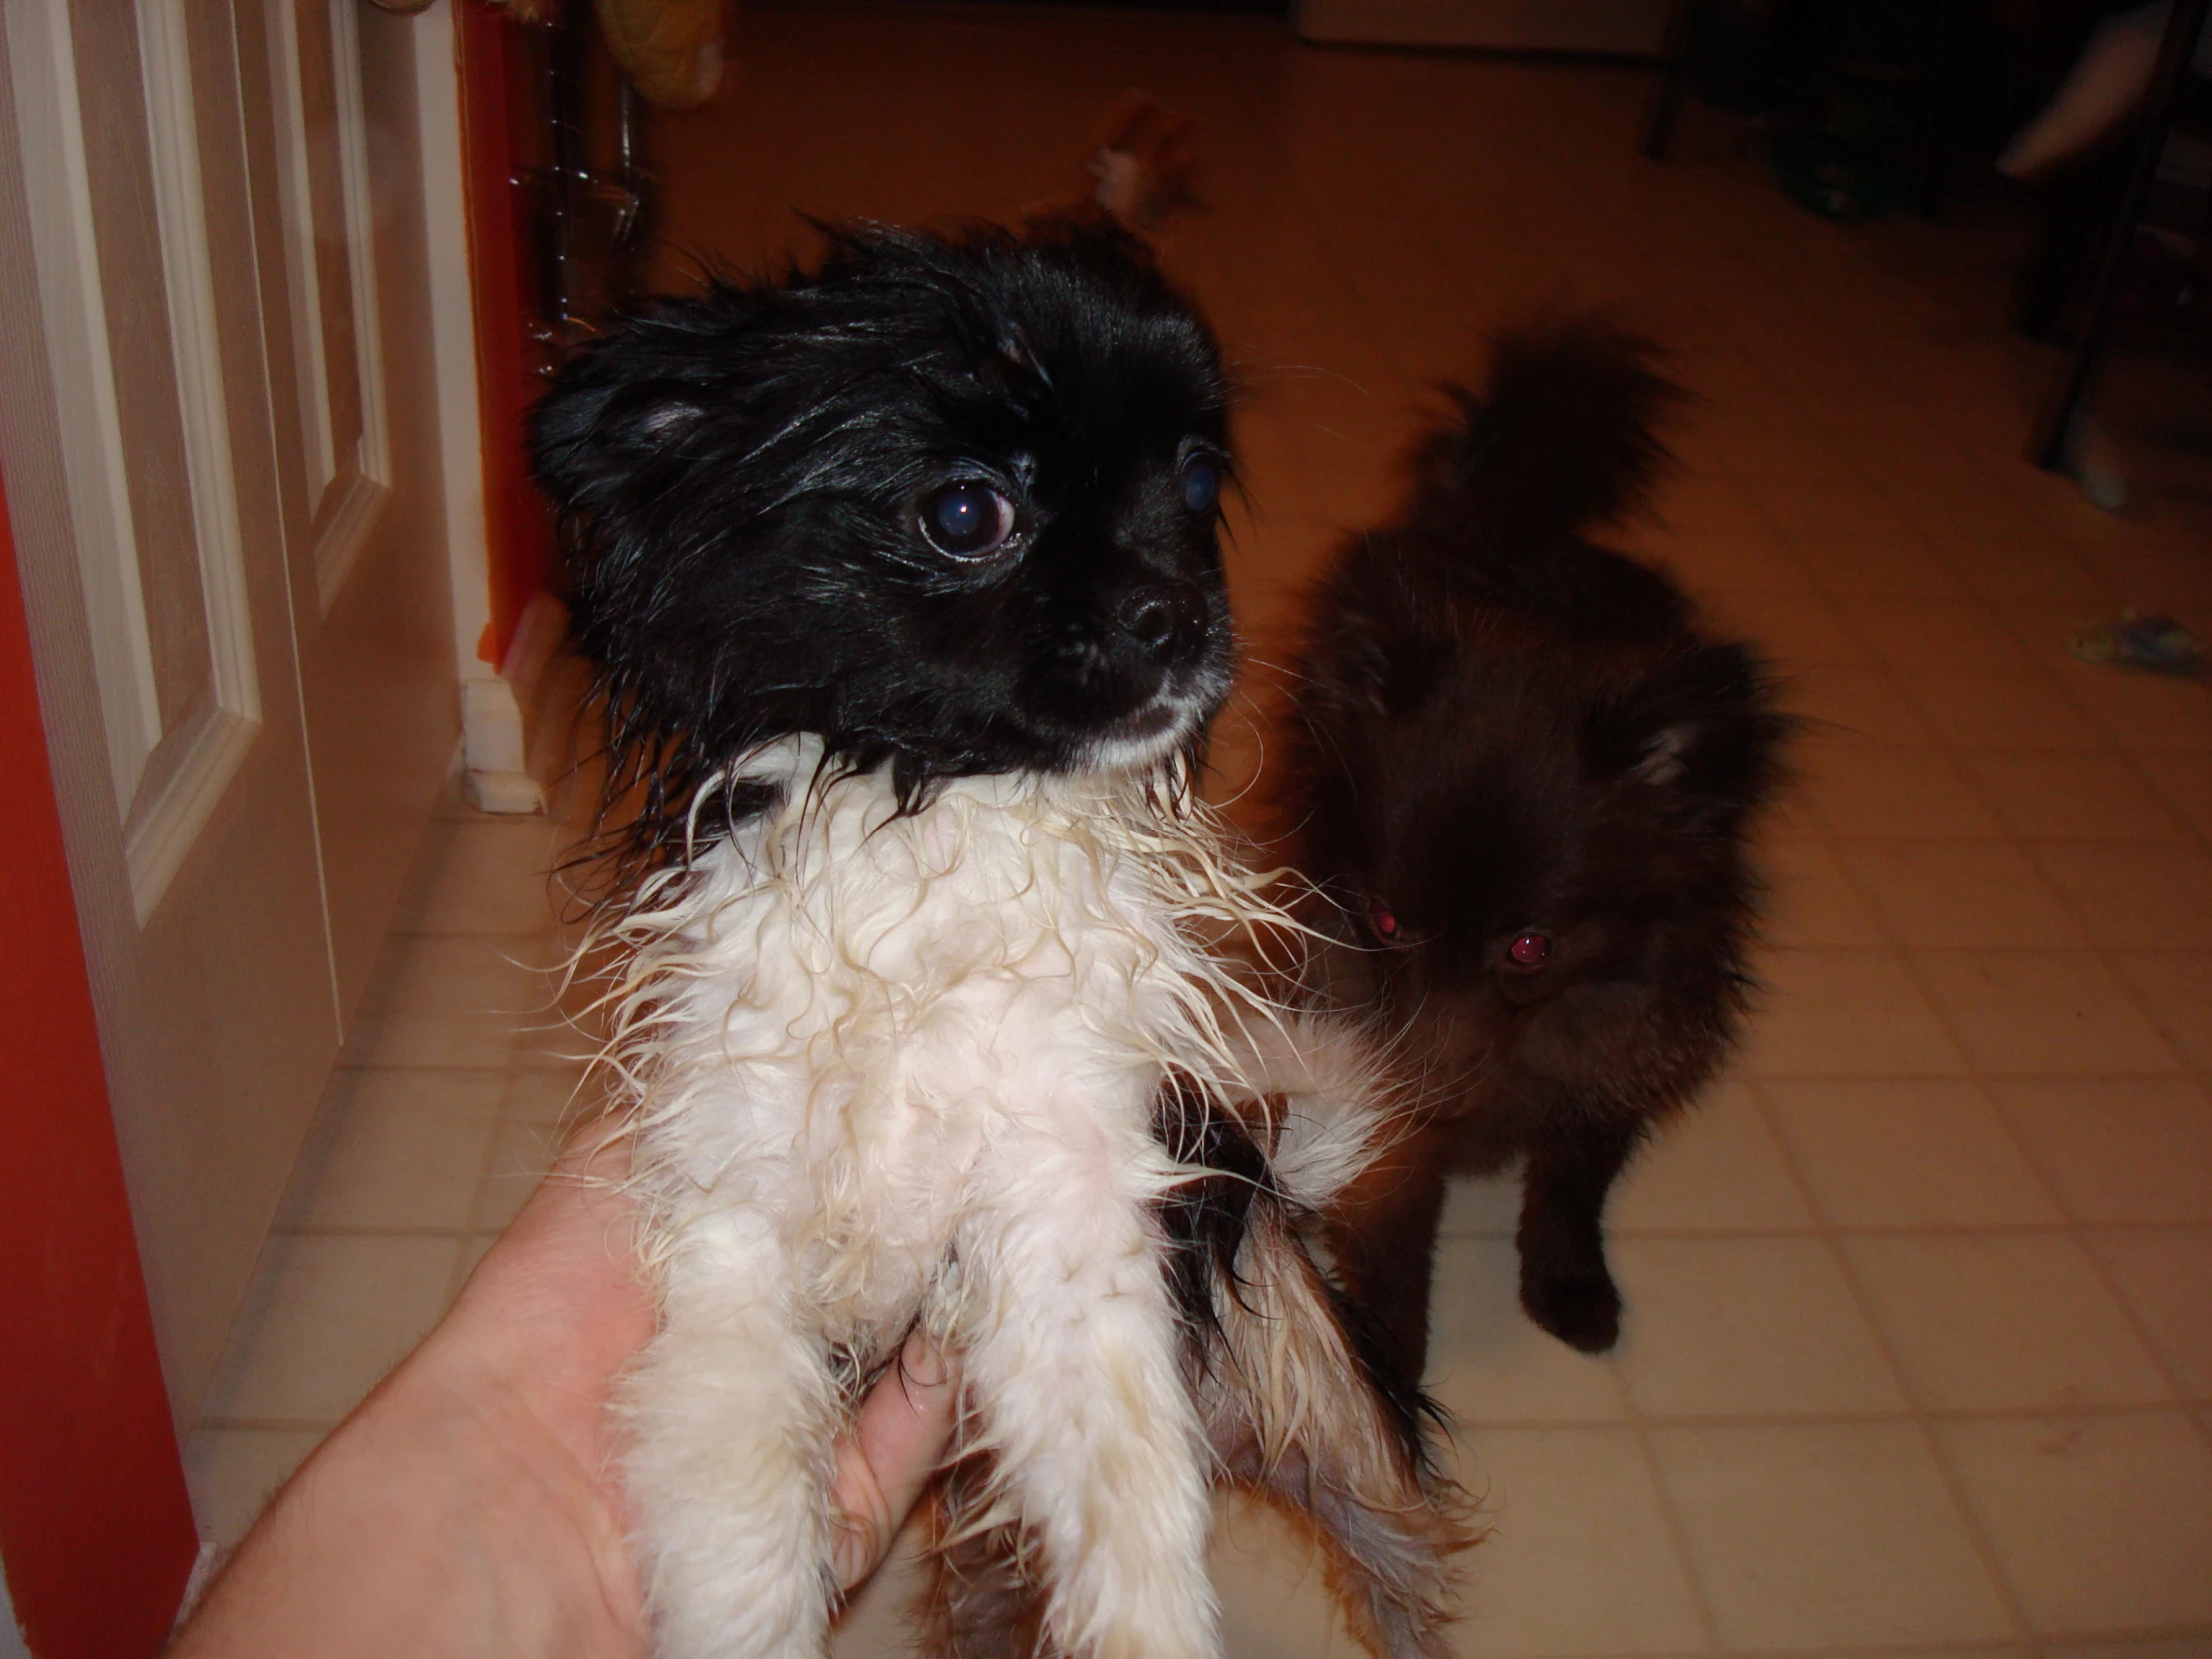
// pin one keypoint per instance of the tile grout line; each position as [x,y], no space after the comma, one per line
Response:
[1984,607]
[1854,1230]
[2126,756]
[1953,1480]
[1670,1515]
[1995,1647]
[1951,752]
[1940,1417]
[2075,1224]
[341,1097]
[2120,1074]
[1954,1484]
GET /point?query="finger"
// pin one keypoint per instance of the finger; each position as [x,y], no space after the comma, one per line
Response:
[897,1442]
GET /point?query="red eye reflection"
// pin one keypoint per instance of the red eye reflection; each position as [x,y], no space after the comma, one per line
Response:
[1530,950]
[1381,920]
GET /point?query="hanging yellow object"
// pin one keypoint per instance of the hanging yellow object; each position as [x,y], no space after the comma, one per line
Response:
[670,49]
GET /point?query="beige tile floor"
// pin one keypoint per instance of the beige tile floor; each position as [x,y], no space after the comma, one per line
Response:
[1919,1358]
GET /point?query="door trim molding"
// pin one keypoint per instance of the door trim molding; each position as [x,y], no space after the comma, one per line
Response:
[162,828]
[346,521]
[50,122]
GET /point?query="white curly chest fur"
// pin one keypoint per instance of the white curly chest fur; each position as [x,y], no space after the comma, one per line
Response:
[887,1067]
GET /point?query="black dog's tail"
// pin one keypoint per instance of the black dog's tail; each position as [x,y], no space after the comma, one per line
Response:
[1563,438]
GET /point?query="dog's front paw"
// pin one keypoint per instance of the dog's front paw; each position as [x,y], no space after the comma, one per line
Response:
[1583,1311]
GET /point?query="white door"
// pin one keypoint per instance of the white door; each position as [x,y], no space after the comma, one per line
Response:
[220,433]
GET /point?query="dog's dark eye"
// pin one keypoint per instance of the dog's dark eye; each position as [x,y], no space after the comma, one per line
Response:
[1531,950]
[1381,920]
[1201,483]
[967,520]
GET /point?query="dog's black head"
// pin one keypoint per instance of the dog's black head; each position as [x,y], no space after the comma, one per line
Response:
[1540,837]
[1521,759]
[1541,845]
[947,501]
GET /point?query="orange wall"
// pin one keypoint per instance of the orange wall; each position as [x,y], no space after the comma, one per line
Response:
[498,107]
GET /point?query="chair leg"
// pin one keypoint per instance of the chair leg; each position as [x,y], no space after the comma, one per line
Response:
[1674,78]
[1927,160]
[2054,432]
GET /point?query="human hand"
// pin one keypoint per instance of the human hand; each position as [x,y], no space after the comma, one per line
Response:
[473,1504]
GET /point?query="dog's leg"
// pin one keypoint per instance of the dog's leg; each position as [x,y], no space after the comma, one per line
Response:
[1317,1420]
[734,1413]
[1564,1282]
[1073,1357]
[1382,1235]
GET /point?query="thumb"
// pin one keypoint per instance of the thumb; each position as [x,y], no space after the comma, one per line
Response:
[889,1453]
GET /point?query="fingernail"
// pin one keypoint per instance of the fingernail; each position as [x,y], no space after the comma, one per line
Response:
[923,1362]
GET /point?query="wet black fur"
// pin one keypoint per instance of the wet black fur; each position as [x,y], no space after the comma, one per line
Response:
[1205,1218]
[737,478]
[1205,1221]
[1501,727]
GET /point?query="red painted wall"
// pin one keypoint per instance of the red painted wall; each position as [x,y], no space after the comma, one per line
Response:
[95,1528]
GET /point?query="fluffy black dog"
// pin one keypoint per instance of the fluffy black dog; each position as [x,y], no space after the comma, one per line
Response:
[901,578]
[1525,771]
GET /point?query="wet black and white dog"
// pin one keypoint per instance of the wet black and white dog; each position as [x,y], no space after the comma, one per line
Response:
[901,577]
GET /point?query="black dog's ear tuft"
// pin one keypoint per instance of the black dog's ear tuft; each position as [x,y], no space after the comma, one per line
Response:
[611,410]
[668,417]
[1701,725]
[615,435]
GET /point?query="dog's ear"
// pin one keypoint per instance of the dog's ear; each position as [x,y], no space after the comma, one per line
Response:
[620,410]
[1701,727]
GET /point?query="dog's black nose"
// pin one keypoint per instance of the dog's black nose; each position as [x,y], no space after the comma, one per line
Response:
[1165,618]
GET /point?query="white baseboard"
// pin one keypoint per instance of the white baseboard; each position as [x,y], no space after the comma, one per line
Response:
[518,726]
[495,749]
[1609,26]
[500,714]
